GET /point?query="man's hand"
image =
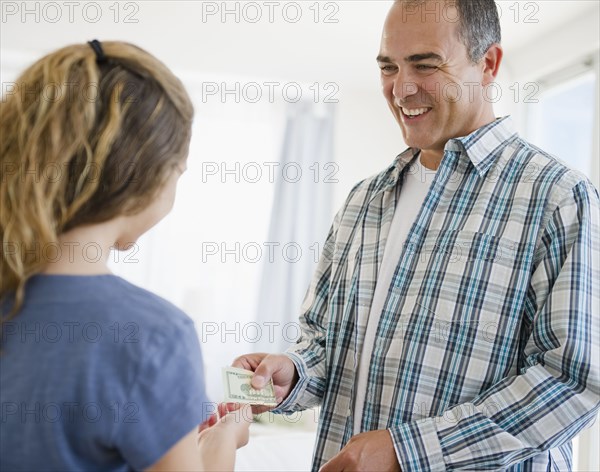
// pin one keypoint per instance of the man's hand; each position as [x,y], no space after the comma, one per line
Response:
[370,451]
[265,366]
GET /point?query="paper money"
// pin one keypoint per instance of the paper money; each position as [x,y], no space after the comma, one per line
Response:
[238,389]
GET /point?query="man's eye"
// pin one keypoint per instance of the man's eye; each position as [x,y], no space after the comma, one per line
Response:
[425,67]
[388,69]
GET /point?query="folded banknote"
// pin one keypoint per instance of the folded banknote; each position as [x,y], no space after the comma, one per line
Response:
[238,389]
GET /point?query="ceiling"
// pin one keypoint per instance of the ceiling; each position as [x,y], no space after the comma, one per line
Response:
[304,51]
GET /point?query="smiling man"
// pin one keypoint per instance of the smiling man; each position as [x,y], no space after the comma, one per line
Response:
[432,78]
[453,322]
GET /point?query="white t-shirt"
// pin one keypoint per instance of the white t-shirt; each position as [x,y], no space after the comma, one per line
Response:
[414,189]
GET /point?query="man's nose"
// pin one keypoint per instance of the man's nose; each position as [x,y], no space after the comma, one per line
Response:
[404,86]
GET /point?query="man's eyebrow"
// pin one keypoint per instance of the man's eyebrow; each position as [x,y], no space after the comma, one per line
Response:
[424,57]
[381,58]
[414,58]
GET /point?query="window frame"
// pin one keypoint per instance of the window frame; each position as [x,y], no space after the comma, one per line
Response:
[557,78]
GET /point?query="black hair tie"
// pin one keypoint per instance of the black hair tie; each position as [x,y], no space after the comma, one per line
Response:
[97,47]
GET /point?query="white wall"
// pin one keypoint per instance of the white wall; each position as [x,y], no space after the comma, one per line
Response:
[367,137]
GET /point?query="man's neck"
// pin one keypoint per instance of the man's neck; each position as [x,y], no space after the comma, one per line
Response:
[431,159]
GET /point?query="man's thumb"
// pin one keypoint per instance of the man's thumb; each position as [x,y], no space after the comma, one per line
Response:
[263,372]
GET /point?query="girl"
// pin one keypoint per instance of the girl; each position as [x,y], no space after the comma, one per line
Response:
[96,373]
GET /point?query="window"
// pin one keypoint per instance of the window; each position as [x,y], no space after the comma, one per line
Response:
[562,123]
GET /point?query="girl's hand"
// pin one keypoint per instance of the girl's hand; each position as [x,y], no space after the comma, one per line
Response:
[231,422]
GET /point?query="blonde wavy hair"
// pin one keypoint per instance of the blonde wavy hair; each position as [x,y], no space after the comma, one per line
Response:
[82,141]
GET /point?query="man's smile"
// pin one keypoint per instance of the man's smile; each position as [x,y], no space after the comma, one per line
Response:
[414,113]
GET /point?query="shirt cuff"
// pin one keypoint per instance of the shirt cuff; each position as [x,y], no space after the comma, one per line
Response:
[418,446]
[289,405]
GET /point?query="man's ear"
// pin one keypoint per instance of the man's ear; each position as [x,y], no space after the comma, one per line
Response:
[491,63]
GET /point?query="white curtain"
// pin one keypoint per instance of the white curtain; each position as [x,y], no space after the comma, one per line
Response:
[300,220]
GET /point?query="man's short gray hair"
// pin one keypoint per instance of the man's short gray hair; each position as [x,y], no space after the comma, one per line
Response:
[479,25]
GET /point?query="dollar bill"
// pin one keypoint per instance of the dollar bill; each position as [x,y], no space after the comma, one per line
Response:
[238,389]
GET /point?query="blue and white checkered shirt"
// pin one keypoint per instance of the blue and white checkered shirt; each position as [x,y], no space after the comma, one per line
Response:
[487,351]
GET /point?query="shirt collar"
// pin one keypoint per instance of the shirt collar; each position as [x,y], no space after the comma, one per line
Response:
[392,174]
[483,147]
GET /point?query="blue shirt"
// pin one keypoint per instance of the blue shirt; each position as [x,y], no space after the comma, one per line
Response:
[96,374]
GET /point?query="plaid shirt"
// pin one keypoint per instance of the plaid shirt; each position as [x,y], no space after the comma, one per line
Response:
[487,351]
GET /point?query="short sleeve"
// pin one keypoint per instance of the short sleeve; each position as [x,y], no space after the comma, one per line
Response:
[167,399]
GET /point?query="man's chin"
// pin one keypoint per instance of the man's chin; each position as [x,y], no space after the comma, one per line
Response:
[411,140]
[416,143]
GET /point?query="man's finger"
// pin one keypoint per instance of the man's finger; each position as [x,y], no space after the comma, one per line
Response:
[335,464]
[241,363]
[249,361]
[258,409]
[264,371]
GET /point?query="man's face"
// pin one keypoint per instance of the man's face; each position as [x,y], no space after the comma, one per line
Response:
[431,86]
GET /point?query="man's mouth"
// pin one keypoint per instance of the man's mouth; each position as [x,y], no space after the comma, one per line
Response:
[412,113]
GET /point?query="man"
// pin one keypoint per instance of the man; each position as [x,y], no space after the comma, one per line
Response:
[450,324]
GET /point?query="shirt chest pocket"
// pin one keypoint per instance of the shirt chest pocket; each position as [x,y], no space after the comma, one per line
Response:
[466,276]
